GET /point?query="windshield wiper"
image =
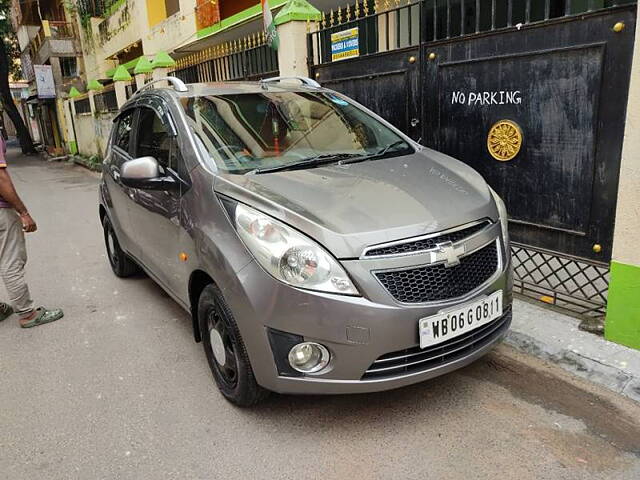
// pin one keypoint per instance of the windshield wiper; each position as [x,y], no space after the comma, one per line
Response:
[342,158]
[307,162]
[379,153]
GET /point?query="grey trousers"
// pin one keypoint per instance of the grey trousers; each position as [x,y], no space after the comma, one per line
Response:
[13,258]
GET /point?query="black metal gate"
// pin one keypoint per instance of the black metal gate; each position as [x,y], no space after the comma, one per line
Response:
[532,95]
[564,83]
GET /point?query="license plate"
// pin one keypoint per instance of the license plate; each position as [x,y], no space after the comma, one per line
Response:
[452,323]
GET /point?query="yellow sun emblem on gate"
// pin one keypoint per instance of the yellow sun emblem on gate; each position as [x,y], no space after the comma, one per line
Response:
[504,140]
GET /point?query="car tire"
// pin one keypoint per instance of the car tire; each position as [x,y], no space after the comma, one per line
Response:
[225,350]
[121,264]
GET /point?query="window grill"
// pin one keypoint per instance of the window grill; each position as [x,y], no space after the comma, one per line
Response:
[82,106]
[106,101]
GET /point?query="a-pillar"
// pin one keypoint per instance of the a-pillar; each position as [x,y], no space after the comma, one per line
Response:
[622,324]
[121,78]
[161,64]
[142,68]
[293,22]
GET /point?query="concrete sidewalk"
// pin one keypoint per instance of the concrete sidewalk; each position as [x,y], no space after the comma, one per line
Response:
[551,336]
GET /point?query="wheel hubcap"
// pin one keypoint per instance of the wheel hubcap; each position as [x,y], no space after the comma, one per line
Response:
[217,345]
[223,348]
[111,246]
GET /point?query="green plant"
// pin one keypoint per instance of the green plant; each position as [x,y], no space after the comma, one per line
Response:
[71,7]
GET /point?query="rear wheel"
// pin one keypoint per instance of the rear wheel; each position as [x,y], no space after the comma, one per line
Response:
[225,350]
[121,264]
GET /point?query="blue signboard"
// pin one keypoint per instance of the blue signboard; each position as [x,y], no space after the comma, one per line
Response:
[345,44]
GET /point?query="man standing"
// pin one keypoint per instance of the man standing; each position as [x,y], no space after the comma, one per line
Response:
[14,221]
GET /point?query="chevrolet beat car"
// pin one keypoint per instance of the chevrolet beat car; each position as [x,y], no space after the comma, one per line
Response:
[318,249]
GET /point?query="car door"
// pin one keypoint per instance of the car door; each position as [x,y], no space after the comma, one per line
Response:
[155,214]
[121,197]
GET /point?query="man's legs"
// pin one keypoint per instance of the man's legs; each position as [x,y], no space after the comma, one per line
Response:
[13,258]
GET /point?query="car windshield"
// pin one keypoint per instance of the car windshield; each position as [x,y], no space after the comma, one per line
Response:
[253,132]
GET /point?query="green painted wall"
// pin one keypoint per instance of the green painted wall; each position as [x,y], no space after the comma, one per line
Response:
[623,308]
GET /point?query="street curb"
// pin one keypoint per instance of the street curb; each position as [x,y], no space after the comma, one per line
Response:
[555,338]
[75,159]
[83,162]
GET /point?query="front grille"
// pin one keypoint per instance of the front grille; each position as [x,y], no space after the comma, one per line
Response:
[432,283]
[416,359]
[427,243]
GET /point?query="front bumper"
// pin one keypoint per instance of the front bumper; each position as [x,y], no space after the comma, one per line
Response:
[356,330]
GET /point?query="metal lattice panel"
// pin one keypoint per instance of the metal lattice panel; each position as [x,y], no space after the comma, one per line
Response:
[570,283]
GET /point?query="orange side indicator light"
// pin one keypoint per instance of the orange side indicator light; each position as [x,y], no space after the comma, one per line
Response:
[183,257]
[546,299]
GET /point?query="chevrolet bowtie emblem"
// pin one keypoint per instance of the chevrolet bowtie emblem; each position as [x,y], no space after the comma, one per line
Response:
[448,253]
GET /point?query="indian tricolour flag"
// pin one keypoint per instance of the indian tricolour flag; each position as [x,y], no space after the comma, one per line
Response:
[269,27]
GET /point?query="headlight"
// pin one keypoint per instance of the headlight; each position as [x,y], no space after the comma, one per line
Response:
[504,219]
[290,256]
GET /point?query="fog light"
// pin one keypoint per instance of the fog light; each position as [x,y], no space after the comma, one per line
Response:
[309,357]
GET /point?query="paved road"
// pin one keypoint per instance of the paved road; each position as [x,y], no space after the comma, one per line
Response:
[119,390]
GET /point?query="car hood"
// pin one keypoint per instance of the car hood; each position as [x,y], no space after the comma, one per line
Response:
[349,207]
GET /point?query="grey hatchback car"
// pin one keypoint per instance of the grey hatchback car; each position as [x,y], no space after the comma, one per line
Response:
[318,249]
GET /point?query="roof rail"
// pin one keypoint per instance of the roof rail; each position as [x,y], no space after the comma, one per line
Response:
[304,80]
[177,84]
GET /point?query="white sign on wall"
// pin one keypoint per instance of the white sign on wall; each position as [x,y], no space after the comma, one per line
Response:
[44,81]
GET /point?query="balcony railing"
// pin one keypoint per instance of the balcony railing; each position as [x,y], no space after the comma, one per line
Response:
[61,29]
[96,8]
[207,13]
[54,30]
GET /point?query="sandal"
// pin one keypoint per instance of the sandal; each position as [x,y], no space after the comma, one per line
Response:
[5,311]
[43,316]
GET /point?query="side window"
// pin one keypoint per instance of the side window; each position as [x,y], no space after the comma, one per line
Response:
[123,131]
[153,140]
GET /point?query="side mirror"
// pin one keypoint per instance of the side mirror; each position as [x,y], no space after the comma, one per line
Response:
[144,173]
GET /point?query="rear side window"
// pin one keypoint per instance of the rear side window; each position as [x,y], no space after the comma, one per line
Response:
[153,139]
[123,131]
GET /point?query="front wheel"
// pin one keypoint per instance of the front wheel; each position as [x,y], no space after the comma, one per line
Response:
[121,264]
[225,350]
